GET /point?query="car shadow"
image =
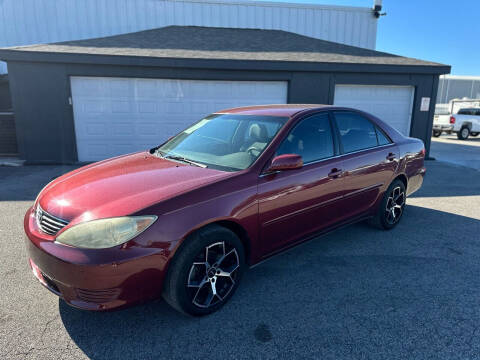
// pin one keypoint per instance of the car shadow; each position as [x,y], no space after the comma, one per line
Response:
[353,292]
[439,174]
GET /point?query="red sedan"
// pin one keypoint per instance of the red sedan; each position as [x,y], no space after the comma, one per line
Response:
[185,219]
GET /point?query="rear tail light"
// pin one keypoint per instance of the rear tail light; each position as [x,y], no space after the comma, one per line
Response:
[423,152]
[452,119]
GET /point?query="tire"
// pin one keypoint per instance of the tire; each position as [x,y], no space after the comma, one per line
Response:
[463,133]
[384,219]
[474,134]
[189,285]
[436,133]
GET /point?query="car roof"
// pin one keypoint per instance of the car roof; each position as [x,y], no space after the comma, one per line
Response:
[287,110]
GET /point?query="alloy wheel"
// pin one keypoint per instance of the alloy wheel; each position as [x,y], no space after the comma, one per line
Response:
[395,204]
[213,274]
[465,132]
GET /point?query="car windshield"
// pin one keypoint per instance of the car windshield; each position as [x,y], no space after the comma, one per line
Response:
[223,141]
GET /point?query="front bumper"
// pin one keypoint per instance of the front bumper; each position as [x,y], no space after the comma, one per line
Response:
[93,279]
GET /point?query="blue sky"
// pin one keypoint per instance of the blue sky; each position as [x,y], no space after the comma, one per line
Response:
[443,31]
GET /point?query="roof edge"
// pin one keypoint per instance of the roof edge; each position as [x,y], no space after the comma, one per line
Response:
[224,64]
[273,3]
[461,77]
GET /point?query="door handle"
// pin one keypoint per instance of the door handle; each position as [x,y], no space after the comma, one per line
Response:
[391,156]
[335,173]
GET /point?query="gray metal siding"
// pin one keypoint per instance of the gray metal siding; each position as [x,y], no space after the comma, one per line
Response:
[5,99]
[456,88]
[45,119]
[8,140]
[24,22]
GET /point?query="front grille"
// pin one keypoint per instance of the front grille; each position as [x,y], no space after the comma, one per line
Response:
[48,223]
[98,296]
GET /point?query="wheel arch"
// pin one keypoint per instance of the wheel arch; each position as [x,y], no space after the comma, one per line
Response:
[229,224]
[242,234]
[403,178]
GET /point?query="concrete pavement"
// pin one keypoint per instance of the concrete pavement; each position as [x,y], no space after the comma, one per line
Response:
[460,152]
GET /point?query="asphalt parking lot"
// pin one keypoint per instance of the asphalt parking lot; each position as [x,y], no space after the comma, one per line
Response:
[411,293]
[461,152]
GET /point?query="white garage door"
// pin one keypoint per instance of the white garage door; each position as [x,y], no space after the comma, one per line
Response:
[392,104]
[115,116]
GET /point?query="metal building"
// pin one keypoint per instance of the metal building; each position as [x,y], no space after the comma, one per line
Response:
[457,87]
[26,22]
[85,100]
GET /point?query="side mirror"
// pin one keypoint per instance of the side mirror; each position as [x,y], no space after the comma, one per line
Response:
[285,162]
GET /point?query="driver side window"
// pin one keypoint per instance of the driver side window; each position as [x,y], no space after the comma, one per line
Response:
[311,139]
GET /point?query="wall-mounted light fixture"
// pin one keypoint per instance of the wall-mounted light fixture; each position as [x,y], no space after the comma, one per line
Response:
[377,7]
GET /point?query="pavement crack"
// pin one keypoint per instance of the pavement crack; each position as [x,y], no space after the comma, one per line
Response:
[47,324]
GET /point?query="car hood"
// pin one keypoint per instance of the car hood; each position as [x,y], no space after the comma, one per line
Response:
[121,186]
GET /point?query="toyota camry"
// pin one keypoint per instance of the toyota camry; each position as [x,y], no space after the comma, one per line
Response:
[185,219]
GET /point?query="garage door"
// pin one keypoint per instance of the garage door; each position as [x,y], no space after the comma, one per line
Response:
[116,116]
[392,104]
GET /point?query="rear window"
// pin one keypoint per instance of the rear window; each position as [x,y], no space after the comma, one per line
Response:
[382,138]
[358,133]
[468,111]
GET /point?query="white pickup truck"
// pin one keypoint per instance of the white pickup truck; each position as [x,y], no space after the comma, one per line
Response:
[464,123]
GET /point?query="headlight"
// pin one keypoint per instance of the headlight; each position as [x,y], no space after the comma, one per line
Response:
[105,233]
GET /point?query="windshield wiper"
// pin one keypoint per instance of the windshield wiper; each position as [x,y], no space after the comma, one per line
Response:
[182,159]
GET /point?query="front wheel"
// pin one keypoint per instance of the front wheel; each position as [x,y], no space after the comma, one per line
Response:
[474,133]
[391,209]
[205,272]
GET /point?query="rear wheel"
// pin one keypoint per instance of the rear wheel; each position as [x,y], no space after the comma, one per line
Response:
[205,272]
[436,133]
[391,209]
[463,133]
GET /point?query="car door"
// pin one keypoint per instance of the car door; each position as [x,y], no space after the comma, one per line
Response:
[293,203]
[370,160]
[476,121]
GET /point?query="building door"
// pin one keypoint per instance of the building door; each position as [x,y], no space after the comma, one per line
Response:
[392,104]
[115,116]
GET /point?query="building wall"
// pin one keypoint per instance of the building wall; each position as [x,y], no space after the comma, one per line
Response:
[44,119]
[8,141]
[25,22]
[5,99]
[457,87]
